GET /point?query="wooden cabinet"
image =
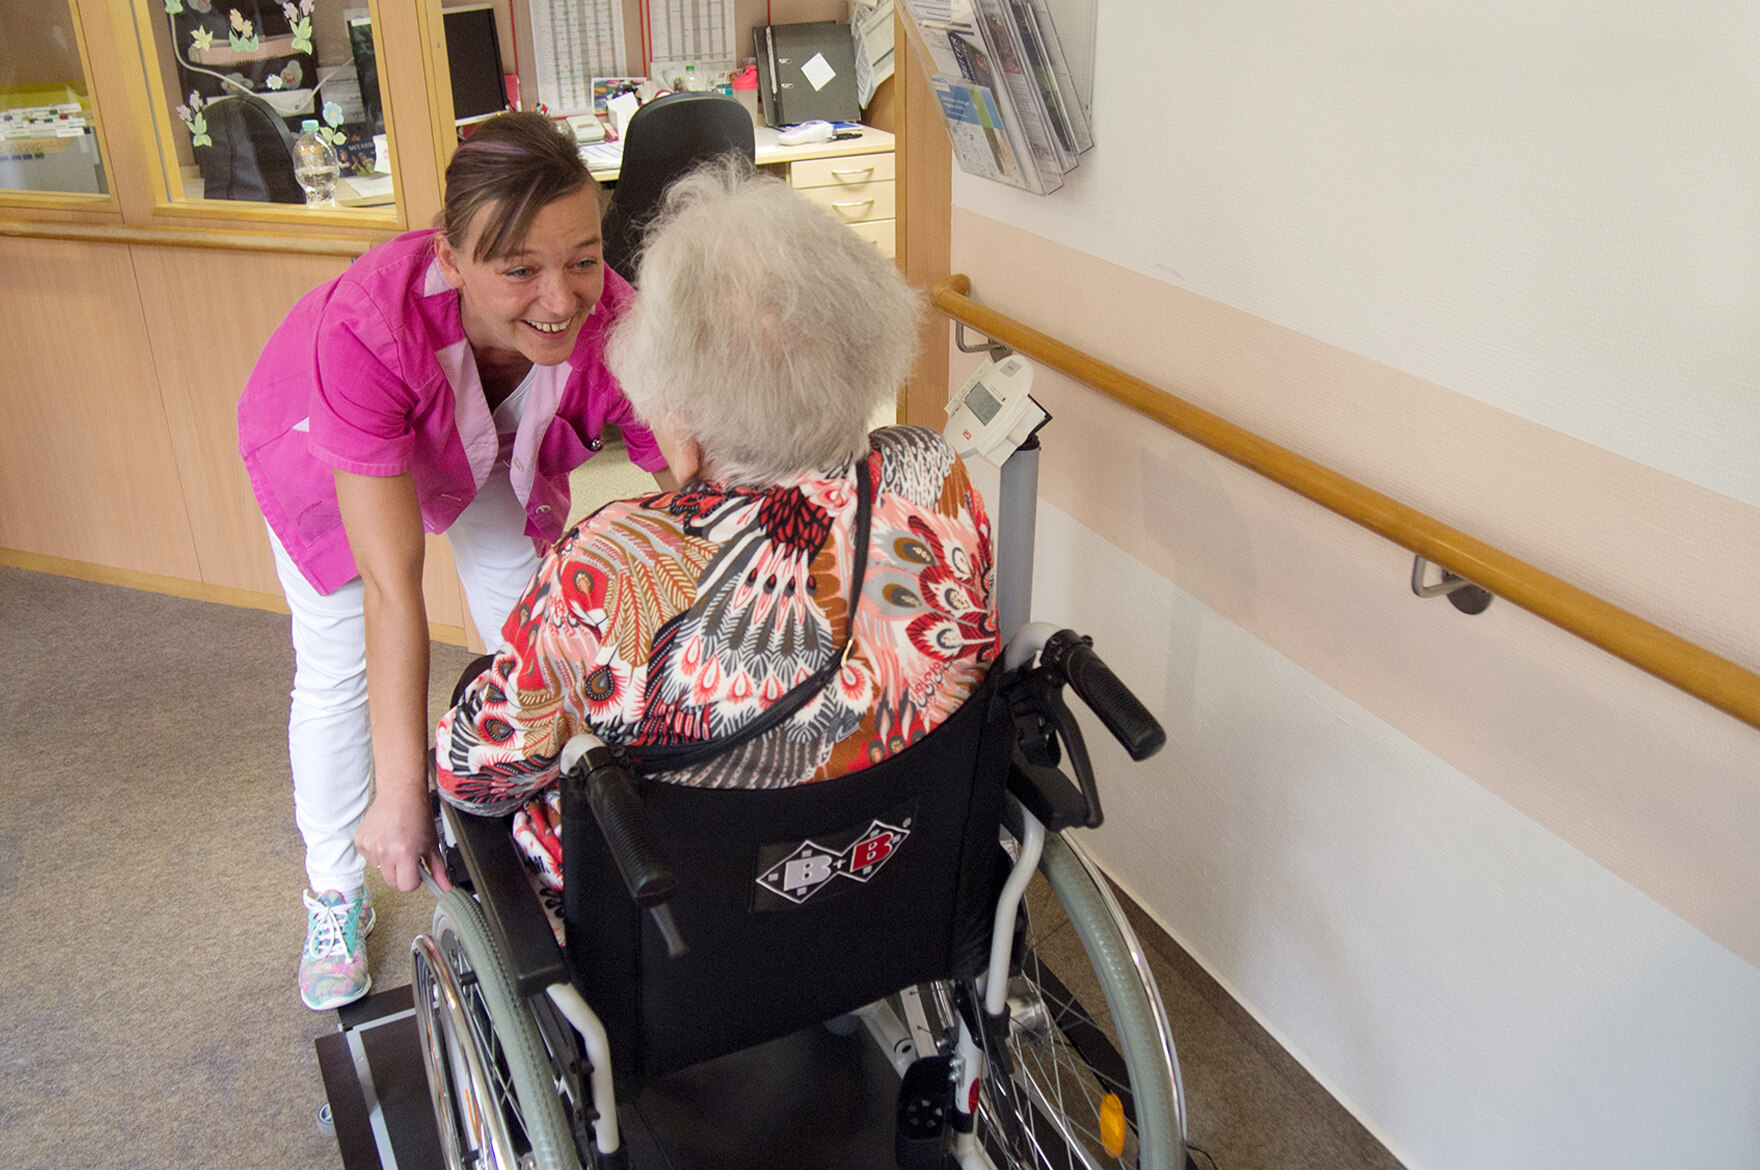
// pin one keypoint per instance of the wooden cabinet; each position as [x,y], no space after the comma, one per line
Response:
[860,188]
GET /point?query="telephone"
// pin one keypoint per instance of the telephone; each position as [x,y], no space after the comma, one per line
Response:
[586,127]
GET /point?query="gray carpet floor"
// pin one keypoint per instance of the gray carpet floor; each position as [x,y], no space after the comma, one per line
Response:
[150,920]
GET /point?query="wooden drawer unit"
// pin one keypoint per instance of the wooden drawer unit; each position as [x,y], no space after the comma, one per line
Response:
[858,202]
[844,171]
[880,233]
[858,188]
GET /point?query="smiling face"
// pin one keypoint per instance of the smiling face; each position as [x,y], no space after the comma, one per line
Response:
[533,300]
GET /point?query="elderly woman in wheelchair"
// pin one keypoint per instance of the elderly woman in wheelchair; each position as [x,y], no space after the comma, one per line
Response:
[766,767]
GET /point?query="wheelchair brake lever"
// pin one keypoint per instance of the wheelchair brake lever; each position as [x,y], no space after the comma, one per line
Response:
[668,928]
[1041,720]
[590,768]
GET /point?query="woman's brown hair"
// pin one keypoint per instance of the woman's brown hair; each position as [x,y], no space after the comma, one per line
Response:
[515,165]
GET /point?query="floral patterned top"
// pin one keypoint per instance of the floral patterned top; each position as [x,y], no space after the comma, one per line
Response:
[680,616]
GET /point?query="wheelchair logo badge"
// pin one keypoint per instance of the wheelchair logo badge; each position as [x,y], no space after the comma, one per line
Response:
[810,867]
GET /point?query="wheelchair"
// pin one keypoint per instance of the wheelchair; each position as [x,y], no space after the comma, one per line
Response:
[935,901]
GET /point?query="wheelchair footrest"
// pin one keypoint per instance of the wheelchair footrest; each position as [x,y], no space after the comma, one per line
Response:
[925,1104]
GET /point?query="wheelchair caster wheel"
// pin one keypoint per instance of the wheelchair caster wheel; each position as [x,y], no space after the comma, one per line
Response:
[925,1104]
[326,1121]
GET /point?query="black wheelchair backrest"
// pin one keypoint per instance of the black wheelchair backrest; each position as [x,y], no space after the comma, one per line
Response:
[798,904]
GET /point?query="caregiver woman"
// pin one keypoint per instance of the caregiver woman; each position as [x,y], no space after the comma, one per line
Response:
[447,382]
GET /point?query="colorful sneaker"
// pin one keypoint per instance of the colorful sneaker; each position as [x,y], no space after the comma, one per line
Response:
[333,967]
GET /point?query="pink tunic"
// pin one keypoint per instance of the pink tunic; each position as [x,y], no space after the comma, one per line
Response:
[371,373]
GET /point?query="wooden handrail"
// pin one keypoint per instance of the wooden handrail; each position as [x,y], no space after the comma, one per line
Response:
[1716,680]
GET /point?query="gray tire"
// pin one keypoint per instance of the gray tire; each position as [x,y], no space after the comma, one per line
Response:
[1065,1051]
[523,1085]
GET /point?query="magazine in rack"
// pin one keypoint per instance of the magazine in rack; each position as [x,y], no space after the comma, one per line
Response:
[997,71]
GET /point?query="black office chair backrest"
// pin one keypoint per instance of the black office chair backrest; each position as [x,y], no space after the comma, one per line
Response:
[798,904]
[252,153]
[666,138]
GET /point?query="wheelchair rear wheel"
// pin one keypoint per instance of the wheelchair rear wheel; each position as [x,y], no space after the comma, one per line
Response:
[495,1095]
[1086,1078]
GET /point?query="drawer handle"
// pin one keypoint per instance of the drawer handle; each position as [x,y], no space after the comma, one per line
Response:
[865,172]
[856,203]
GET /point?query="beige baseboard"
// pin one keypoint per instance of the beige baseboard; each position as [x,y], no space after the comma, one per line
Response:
[177,587]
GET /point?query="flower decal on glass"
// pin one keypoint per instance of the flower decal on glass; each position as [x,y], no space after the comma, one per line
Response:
[333,117]
[174,6]
[197,121]
[242,35]
[201,40]
[299,19]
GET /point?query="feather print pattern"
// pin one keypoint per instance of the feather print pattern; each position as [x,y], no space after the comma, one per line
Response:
[681,616]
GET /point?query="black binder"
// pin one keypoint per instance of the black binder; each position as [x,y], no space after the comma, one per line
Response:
[806,72]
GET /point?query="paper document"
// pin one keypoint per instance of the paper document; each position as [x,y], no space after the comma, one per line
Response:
[871,25]
[700,31]
[574,41]
[602,156]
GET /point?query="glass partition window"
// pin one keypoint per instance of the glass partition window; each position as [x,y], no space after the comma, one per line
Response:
[48,136]
[246,80]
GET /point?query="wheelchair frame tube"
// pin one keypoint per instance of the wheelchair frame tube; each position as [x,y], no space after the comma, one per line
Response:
[970,1057]
[574,1009]
[1017,516]
[1032,844]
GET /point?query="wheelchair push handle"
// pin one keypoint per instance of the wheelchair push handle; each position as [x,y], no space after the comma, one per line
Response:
[611,794]
[1072,656]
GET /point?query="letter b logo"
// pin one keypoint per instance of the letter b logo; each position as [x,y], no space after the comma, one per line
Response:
[811,870]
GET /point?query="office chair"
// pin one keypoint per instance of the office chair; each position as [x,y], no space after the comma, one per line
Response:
[252,154]
[666,138]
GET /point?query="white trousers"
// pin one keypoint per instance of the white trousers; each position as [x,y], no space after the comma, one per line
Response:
[329,736]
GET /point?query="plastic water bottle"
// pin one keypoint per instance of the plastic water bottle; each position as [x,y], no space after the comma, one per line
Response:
[315,166]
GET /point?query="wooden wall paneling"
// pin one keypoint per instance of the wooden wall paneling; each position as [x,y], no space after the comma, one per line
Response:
[443,594]
[211,314]
[925,222]
[417,89]
[208,314]
[88,471]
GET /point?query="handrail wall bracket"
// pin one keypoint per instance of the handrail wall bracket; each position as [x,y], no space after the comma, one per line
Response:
[1461,593]
[995,349]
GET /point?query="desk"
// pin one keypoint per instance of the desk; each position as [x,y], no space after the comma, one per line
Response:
[364,191]
[852,177]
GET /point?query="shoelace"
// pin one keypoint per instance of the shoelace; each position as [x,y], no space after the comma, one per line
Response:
[331,935]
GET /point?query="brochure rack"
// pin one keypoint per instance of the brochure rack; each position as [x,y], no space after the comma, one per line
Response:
[1000,74]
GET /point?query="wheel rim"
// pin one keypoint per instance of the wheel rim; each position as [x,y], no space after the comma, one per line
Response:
[500,1081]
[1046,1078]
[1064,1063]
[473,1129]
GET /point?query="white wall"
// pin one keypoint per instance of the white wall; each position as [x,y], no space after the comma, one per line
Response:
[1500,260]
[1478,992]
[1552,207]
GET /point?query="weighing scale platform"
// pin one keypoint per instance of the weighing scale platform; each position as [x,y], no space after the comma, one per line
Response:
[813,1099]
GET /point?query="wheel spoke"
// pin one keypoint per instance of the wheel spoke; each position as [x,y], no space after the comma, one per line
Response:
[515,1091]
[1062,1051]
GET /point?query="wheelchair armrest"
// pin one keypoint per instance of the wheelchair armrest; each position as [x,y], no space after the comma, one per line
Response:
[591,773]
[1048,794]
[516,918]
